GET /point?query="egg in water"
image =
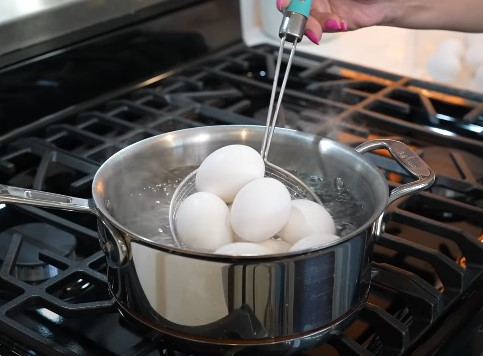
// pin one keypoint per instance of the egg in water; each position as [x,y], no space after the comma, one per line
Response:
[276,245]
[306,218]
[312,241]
[243,249]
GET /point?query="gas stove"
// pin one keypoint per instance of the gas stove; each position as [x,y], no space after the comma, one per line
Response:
[67,112]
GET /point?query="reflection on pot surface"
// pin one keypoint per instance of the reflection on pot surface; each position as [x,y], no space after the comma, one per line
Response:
[281,297]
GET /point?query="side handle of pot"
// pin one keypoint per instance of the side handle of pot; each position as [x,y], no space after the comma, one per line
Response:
[16,195]
[410,162]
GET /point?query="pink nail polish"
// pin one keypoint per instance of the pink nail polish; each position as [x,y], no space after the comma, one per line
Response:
[343,26]
[312,37]
[332,25]
[279,5]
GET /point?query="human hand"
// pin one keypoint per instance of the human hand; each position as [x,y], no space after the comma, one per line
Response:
[342,15]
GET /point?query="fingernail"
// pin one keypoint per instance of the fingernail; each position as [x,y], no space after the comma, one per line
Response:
[279,5]
[332,25]
[343,26]
[312,37]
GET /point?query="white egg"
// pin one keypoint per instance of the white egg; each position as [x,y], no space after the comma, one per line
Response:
[276,245]
[452,47]
[443,67]
[478,80]
[203,222]
[260,209]
[225,171]
[474,56]
[243,249]
[312,241]
[306,218]
[472,38]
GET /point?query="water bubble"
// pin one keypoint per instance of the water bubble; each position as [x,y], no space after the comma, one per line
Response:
[152,221]
[347,212]
[339,183]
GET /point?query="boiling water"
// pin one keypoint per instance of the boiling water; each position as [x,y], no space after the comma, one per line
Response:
[153,223]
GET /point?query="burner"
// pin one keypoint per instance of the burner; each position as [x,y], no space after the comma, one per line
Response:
[457,172]
[36,237]
[454,164]
[459,177]
[427,268]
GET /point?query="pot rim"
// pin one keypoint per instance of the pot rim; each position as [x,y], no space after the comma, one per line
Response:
[104,213]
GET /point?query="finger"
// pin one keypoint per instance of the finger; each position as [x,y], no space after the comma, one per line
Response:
[329,22]
[343,24]
[313,30]
[282,4]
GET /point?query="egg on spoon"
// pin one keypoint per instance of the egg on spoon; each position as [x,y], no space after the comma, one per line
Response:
[237,211]
[260,210]
[225,171]
[203,222]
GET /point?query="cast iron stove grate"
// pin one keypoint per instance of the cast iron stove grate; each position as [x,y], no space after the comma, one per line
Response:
[427,262]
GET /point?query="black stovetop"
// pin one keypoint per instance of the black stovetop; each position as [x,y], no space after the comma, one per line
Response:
[427,293]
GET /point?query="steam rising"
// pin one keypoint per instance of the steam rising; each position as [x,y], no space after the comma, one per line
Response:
[139,184]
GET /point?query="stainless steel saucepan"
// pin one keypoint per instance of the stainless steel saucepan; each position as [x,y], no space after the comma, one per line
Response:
[213,303]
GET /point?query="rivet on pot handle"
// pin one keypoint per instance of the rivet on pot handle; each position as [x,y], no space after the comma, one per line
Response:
[410,161]
[15,195]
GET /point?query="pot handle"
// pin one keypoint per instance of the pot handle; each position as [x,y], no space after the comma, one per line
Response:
[15,195]
[410,161]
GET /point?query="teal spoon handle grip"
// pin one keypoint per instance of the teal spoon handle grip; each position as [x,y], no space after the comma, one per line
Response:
[300,6]
[294,20]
